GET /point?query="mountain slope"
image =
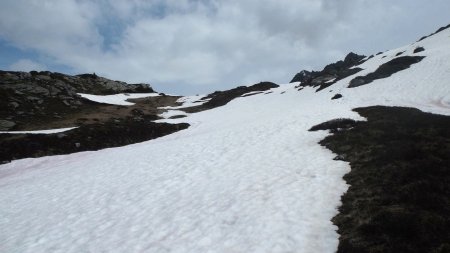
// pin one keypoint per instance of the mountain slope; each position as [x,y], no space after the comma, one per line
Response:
[244,177]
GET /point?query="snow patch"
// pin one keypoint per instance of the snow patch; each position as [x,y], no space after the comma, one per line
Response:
[49,131]
[117,99]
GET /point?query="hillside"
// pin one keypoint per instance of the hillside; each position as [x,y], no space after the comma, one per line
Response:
[352,158]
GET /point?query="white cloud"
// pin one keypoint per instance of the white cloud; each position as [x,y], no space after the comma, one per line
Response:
[26,65]
[201,45]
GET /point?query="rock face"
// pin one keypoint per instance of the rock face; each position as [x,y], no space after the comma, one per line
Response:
[330,74]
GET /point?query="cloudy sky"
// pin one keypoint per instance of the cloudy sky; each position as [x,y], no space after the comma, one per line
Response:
[198,46]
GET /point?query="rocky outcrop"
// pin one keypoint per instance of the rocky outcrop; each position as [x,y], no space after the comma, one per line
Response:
[330,74]
[47,95]
[385,70]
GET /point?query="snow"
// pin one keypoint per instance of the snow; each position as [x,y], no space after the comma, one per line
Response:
[48,131]
[188,101]
[239,180]
[171,113]
[245,177]
[251,93]
[117,99]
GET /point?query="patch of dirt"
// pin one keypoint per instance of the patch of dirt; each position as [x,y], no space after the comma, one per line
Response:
[399,195]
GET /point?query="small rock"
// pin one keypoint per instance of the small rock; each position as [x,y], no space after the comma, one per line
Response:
[419,49]
[137,112]
[5,125]
[336,96]
[340,158]
[358,81]
[61,135]
[13,105]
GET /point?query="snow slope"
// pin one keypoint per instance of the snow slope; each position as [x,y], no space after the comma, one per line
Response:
[117,99]
[245,177]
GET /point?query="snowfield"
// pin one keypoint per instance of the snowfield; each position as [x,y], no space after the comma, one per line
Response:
[245,177]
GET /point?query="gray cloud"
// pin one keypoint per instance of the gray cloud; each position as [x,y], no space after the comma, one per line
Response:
[192,46]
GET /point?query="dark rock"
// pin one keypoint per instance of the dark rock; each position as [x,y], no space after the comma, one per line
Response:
[303,76]
[177,116]
[438,31]
[419,49]
[353,59]
[5,125]
[337,96]
[220,98]
[385,70]
[399,53]
[330,73]
[357,81]
[61,135]
[334,125]
[137,112]
[13,105]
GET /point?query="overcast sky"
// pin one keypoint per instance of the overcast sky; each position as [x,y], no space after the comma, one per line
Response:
[198,46]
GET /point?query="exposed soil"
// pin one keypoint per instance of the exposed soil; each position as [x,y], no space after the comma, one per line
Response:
[399,195]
